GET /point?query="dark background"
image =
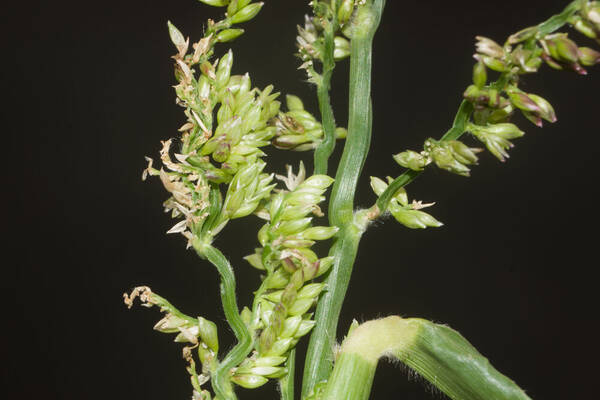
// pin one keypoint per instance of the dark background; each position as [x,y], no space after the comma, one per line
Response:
[87,96]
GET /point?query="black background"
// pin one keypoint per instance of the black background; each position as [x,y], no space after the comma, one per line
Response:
[87,96]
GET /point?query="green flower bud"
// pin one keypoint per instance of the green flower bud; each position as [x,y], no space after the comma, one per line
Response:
[228,35]
[280,347]
[411,160]
[294,103]
[205,354]
[494,64]
[170,324]
[208,333]
[504,130]
[268,371]
[414,219]
[523,35]
[246,315]
[323,265]
[311,291]
[296,212]
[562,48]
[233,7]
[523,102]
[378,185]
[297,243]
[444,158]
[288,296]
[488,47]
[593,13]
[177,38]
[247,13]
[290,141]
[255,260]
[320,182]
[589,57]
[300,306]
[291,227]
[290,326]
[472,93]
[279,279]
[586,29]
[479,74]
[319,232]
[345,11]
[462,152]
[341,48]
[248,381]
[268,336]
[546,109]
[269,361]
[305,327]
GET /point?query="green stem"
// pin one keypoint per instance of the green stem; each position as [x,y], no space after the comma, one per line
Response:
[325,148]
[319,356]
[220,377]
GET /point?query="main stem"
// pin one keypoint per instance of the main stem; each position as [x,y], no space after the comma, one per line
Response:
[319,357]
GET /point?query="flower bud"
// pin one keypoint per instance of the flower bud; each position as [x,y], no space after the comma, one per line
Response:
[248,381]
[324,264]
[488,47]
[341,48]
[505,130]
[589,57]
[269,361]
[523,102]
[345,11]
[494,64]
[311,291]
[586,29]
[291,227]
[479,74]
[280,347]
[290,326]
[444,158]
[378,185]
[523,35]
[246,13]
[472,93]
[228,35]
[177,38]
[462,152]
[268,371]
[319,232]
[566,49]
[593,14]
[411,160]
[297,243]
[294,103]
[304,327]
[170,324]
[300,306]
[546,109]
[414,219]
[208,333]
[277,280]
